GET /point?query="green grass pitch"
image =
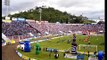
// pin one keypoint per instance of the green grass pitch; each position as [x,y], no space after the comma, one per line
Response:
[61,44]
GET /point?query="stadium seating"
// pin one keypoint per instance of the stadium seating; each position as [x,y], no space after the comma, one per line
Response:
[22,28]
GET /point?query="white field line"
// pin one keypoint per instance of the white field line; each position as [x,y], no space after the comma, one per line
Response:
[45,39]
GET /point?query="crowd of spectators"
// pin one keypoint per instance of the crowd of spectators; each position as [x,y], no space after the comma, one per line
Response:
[17,28]
[54,28]
[22,28]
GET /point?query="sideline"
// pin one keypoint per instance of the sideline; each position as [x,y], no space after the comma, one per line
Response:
[23,56]
[26,57]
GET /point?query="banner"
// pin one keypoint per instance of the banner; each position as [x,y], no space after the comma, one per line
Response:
[7,18]
[7,41]
[33,59]
[21,19]
[7,21]
[14,19]
[25,57]
[92,58]
[12,41]
[31,34]
[19,54]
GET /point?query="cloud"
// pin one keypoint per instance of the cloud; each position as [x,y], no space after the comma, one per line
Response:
[89,8]
[19,5]
[76,3]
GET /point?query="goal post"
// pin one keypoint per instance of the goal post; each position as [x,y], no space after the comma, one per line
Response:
[88,47]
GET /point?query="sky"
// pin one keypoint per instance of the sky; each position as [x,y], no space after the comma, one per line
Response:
[89,8]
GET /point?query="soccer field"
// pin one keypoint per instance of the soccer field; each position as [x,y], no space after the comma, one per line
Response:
[61,44]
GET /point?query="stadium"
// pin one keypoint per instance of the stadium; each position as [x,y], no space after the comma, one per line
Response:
[20,30]
[47,33]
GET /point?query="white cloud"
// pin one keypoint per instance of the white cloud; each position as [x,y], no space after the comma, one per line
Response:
[89,8]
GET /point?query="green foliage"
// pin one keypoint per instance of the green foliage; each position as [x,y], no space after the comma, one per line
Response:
[50,14]
[88,21]
[3,17]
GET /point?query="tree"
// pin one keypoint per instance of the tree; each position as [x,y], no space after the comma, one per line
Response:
[50,14]
[100,22]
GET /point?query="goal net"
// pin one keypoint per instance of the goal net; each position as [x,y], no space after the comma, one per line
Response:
[91,48]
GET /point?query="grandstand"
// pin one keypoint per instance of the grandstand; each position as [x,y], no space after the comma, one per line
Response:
[72,37]
[17,28]
[21,29]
